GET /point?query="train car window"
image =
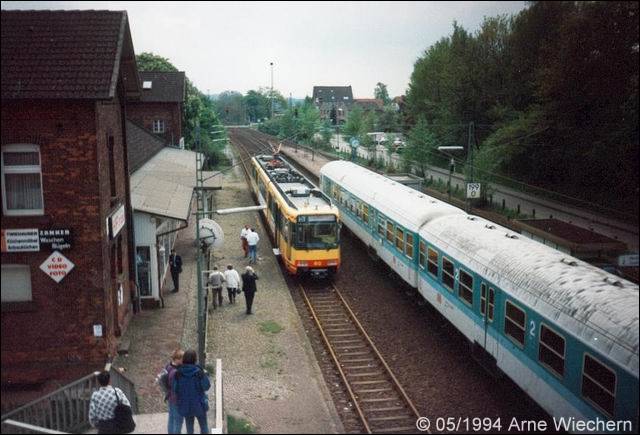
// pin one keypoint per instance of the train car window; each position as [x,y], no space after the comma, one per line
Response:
[432,267]
[422,255]
[389,232]
[365,213]
[551,350]
[399,239]
[599,384]
[465,287]
[515,320]
[381,226]
[492,302]
[285,229]
[447,273]
[408,249]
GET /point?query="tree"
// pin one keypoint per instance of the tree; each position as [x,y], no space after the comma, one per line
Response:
[152,62]
[422,147]
[230,108]
[353,126]
[381,93]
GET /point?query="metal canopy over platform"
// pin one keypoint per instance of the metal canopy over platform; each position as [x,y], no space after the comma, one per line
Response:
[164,185]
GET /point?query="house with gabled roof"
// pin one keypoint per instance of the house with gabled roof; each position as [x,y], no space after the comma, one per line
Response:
[334,102]
[67,281]
[160,107]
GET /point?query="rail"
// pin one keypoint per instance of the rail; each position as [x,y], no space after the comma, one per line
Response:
[368,379]
[65,410]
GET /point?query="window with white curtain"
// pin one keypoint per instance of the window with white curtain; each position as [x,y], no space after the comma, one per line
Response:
[21,180]
[16,283]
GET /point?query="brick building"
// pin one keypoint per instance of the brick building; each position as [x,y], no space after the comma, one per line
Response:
[334,102]
[159,108]
[66,78]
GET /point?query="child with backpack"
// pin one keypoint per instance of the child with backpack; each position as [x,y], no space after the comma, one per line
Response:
[165,381]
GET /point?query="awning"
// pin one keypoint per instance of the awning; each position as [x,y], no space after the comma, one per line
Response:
[164,185]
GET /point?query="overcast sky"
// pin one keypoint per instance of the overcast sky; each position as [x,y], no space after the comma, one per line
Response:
[229,45]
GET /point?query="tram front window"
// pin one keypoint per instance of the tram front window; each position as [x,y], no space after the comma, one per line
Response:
[317,232]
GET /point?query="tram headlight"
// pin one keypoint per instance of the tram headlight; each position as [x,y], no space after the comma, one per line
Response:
[332,263]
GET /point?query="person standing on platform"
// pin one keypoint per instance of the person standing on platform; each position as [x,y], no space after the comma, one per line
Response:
[175,264]
[190,385]
[232,278]
[249,278]
[243,239]
[252,240]
[216,278]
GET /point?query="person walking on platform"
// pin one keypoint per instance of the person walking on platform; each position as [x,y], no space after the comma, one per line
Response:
[232,279]
[243,239]
[165,380]
[252,240]
[249,278]
[216,278]
[175,264]
[190,385]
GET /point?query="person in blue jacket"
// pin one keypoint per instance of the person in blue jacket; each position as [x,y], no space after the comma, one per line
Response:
[190,385]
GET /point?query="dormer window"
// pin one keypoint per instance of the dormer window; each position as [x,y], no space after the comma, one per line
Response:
[158,125]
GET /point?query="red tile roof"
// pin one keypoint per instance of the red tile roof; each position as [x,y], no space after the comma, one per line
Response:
[62,54]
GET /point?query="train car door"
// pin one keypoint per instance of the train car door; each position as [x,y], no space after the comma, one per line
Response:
[488,310]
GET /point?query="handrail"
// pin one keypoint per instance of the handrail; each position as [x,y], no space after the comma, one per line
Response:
[219,427]
[67,408]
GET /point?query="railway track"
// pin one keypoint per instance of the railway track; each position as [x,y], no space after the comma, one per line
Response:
[378,398]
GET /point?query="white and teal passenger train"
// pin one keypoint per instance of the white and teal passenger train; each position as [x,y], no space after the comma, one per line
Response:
[563,330]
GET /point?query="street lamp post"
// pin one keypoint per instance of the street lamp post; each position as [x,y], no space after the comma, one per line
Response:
[271,94]
[452,163]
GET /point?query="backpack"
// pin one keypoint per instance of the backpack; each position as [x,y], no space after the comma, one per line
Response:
[122,417]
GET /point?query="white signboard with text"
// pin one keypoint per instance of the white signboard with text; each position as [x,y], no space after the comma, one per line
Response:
[117,221]
[473,190]
[20,240]
[57,266]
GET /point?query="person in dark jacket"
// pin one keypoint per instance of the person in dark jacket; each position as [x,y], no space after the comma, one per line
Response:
[190,385]
[175,264]
[249,278]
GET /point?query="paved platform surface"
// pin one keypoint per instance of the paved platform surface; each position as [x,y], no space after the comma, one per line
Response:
[270,374]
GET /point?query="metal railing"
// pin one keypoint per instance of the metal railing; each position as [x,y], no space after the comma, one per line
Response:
[65,410]
[220,421]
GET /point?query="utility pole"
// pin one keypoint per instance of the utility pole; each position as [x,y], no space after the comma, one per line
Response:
[199,212]
[271,94]
[469,177]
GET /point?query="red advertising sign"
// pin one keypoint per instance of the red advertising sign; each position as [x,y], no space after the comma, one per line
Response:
[57,266]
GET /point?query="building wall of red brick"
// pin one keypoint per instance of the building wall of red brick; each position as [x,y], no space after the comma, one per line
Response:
[56,327]
[145,113]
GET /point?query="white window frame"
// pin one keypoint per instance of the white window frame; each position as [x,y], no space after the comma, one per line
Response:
[28,270]
[564,350]
[515,323]
[462,287]
[422,254]
[28,169]
[160,122]
[444,272]
[615,386]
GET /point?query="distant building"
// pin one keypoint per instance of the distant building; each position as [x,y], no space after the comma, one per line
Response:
[333,102]
[399,103]
[369,104]
[159,109]
[67,278]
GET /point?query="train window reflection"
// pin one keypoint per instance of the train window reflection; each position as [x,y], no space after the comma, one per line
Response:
[447,273]
[317,235]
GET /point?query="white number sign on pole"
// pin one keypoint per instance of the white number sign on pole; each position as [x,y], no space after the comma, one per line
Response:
[473,190]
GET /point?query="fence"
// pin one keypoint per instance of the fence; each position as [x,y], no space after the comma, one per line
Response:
[65,410]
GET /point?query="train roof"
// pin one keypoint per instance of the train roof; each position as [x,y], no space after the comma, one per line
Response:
[597,307]
[408,207]
[298,192]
